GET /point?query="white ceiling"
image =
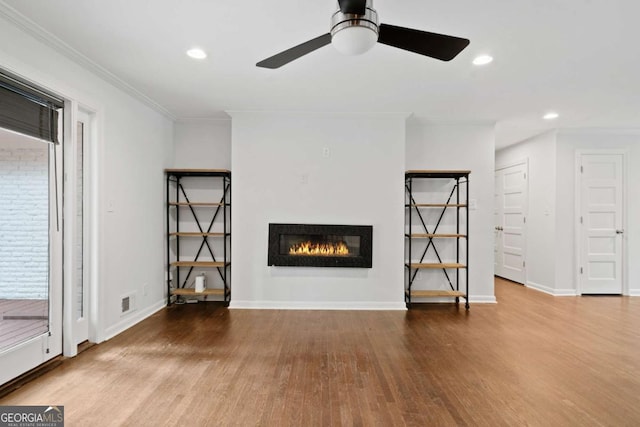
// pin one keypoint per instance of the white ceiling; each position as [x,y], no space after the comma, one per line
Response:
[577,57]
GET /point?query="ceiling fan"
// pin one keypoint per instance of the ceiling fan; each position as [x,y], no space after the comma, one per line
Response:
[355,29]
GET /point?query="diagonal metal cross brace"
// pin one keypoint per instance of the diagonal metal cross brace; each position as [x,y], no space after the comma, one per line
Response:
[204,238]
[430,243]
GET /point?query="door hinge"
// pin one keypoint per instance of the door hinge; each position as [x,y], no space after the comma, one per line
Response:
[524,264]
[524,219]
[525,175]
[581,272]
[581,220]
[581,169]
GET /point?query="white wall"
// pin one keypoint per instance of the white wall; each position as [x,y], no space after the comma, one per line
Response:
[281,175]
[137,146]
[202,144]
[541,249]
[470,147]
[568,143]
[134,145]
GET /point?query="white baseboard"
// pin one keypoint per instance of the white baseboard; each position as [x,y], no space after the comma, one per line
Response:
[565,293]
[539,287]
[134,318]
[482,299]
[634,292]
[322,305]
[551,291]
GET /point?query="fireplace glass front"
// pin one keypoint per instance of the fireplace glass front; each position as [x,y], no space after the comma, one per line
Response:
[314,245]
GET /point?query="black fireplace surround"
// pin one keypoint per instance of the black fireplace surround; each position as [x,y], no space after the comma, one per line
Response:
[317,245]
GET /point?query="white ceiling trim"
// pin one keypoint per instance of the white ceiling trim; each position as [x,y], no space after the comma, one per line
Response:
[63,48]
[434,121]
[600,130]
[202,119]
[321,114]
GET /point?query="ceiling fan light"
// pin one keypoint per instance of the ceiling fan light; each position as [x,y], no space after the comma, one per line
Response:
[354,40]
[354,34]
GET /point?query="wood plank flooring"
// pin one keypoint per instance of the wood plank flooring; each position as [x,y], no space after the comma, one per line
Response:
[532,359]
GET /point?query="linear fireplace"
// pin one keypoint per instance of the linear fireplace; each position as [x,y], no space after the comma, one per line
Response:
[316,245]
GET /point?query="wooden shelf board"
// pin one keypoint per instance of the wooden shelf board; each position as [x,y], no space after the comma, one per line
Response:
[435,236]
[192,292]
[438,205]
[195,234]
[173,170]
[199,264]
[195,204]
[437,173]
[438,293]
[437,265]
[198,172]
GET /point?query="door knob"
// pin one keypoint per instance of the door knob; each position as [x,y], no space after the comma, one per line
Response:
[619,231]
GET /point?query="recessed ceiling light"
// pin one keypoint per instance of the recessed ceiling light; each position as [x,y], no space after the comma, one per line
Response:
[196,53]
[482,60]
[550,115]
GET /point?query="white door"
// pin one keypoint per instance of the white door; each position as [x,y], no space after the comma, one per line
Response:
[601,216]
[510,212]
[31,248]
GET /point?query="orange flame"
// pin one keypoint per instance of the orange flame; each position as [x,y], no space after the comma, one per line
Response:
[319,249]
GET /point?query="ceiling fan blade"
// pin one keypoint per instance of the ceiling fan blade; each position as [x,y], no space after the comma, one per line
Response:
[282,58]
[356,7]
[439,46]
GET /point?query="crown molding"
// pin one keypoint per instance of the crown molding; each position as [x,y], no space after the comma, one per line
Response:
[28,26]
[320,114]
[203,119]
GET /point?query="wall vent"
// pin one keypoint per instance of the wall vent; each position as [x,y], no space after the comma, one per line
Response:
[127,303]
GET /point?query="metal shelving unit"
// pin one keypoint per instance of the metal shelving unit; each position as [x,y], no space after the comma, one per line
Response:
[414,262]
[181,265]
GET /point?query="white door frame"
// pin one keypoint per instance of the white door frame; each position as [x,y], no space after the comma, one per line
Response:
[70,347]
[577,209]
[523,161]
[82,334]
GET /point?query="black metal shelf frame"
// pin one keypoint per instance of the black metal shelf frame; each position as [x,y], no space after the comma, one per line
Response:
[223,207]
[461,178]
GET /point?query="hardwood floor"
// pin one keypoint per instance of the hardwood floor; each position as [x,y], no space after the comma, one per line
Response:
[532,359]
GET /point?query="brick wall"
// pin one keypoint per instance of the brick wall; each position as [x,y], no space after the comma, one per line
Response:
[24,220]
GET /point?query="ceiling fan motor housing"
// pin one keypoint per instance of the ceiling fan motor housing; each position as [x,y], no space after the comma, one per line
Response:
[368,21]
